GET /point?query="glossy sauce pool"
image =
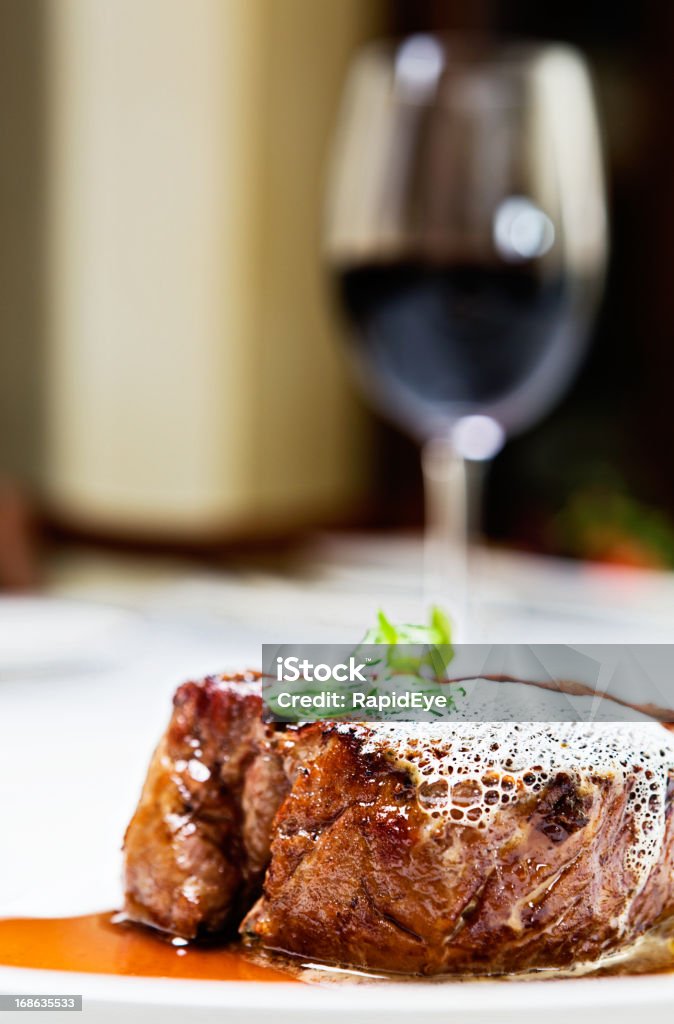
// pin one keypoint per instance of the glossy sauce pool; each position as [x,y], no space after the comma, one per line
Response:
[96,945]
[104,944]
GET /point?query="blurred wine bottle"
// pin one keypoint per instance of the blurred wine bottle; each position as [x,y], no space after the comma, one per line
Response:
[190,386]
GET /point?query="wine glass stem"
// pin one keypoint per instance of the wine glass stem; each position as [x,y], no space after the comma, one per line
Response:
[452,497]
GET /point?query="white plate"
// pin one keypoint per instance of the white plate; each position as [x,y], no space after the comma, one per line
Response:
[66,796]
[131,1000]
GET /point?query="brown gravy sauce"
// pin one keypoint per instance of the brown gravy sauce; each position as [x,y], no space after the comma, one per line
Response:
[96,944]
[105,944]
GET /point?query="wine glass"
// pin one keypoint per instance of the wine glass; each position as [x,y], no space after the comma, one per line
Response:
[466,231]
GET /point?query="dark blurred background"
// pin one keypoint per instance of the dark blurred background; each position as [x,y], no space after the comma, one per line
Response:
[170,373]
[596,478]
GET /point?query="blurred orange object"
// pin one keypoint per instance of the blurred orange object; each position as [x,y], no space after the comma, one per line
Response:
[606,524]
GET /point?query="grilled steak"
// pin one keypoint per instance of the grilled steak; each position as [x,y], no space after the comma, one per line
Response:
[411,848]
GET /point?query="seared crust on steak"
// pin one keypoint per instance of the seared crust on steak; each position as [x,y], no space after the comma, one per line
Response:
[197,846]
[411,848]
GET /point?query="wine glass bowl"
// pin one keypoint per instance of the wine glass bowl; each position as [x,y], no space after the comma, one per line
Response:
[466,227]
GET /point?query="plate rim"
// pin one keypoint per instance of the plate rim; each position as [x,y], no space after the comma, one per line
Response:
[398,999]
